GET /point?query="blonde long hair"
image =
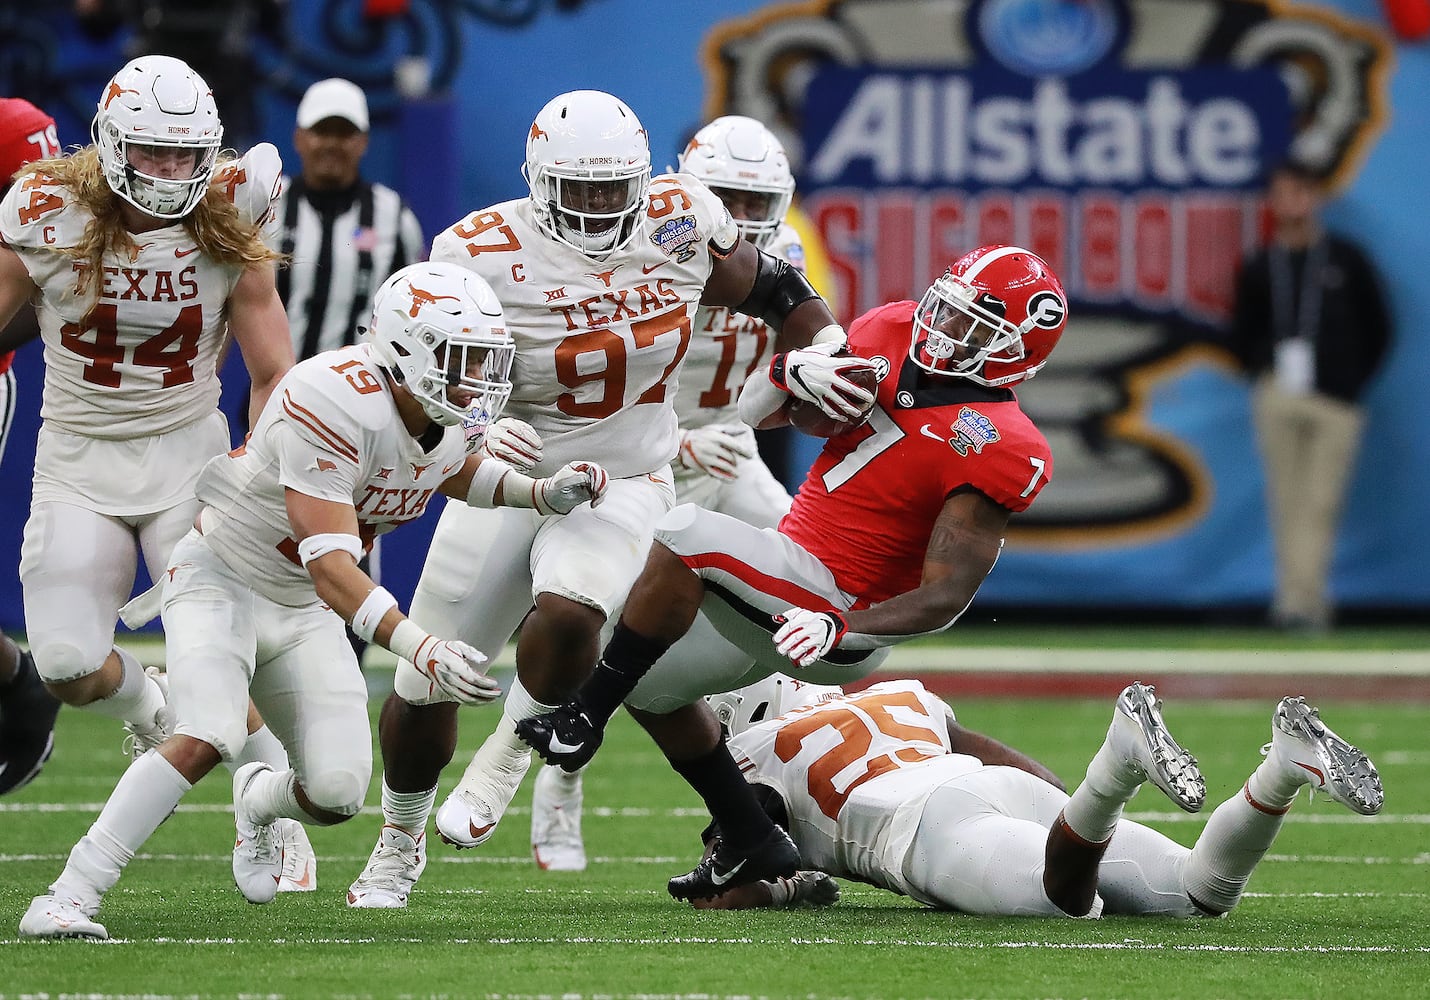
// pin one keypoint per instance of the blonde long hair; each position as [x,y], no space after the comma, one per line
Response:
[213,225]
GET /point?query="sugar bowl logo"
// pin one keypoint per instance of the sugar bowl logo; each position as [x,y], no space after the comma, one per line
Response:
[1125,141]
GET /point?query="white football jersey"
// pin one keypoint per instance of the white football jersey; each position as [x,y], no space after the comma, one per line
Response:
[331,431]
[854,774]
[145,365]
[599,343]
[725,348]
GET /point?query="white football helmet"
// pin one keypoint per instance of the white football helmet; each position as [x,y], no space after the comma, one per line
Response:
[588,167]
[776,695]
[437,327]
[160,103]
[735,153]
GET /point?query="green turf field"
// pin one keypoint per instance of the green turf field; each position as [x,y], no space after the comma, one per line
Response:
[1338,909]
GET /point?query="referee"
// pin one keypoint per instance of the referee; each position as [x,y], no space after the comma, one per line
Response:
[344,235]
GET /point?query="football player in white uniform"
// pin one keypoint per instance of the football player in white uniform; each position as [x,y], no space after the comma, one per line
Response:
[142,252]
[885,787]
[601,270]
[353,443]
[717,466]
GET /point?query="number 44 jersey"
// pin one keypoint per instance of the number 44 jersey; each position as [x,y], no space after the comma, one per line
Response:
[144,363]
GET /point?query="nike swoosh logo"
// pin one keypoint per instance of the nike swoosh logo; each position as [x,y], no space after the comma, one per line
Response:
[478,831]
[718,879]
[452,468]
[306,880]
[1320,777]
[648,268]
[185,253]
[927,431]
[560,747]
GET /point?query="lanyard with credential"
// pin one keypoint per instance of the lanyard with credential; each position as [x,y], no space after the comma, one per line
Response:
[1305,320]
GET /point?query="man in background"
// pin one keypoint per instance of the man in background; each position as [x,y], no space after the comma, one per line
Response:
[1311,327]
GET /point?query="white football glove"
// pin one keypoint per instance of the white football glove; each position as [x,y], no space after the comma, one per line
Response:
[514,442]
[812,374]
[569,487]
[715,450]
[806,636]
[458,669]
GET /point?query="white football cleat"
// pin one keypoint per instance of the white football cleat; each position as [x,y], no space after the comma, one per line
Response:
[470,814]
[140,739]
[1308,751]
[50,916]
[393,869]
[1140,737]
[556,821]
[258,848]
[300,864]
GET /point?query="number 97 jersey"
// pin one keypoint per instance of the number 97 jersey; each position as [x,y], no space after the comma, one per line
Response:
[599,343]
[143,362]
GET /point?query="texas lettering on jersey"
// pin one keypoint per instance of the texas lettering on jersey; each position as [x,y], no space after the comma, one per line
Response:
[869,503]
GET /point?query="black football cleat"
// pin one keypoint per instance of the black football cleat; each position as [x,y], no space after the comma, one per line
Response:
[565,736]
[725,868]
[27,727]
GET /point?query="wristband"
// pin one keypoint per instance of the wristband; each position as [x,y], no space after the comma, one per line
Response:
[407,640]
[485,480]
[520,491]
[365,620]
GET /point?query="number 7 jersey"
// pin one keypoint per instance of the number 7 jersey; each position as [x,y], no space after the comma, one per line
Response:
[599,342]
[144,363]
[868,507]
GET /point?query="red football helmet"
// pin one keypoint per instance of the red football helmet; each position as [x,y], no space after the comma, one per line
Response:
[26,134]
[993,317]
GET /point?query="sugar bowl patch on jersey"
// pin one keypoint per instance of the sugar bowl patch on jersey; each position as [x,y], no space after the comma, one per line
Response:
[675,219]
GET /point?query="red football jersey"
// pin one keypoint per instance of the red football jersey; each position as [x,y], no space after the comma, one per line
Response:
[868,506]
[26,134]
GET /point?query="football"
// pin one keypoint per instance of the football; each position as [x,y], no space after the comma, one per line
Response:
[808,418]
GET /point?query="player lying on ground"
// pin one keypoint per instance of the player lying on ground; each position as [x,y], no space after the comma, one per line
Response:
[353,443]
[884,787]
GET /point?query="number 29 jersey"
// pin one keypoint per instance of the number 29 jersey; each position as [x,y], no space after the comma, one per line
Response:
[868,506]
[144,365]
[599,342]
[854,774]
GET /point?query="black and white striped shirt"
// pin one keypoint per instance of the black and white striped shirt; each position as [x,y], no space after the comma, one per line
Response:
[343,245]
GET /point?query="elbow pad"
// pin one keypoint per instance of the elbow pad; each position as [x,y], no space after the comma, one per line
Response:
[779,287]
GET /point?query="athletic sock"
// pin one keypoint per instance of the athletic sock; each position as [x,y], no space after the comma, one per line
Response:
[626,659]
[727,795]
[407,811]
[146,794]
[261,745]
[1236,838]
[136,700]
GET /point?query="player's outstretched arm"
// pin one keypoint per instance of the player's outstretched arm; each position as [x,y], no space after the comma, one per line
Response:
[258,323]
[329,547]
[485,482]
[962,549]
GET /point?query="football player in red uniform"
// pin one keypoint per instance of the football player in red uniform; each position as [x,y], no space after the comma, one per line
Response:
[890,536]
[27,709]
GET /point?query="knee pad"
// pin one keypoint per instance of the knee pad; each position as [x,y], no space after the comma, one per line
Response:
[59,659]
[674,528]
[337,791]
